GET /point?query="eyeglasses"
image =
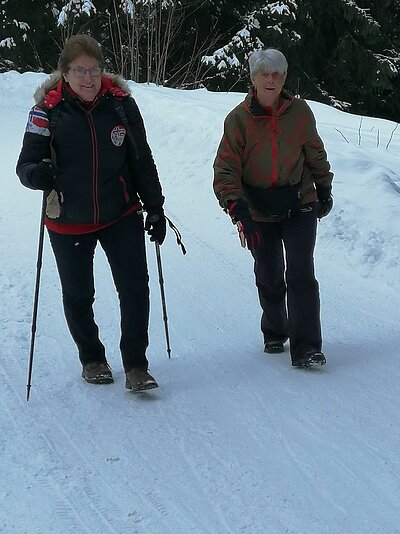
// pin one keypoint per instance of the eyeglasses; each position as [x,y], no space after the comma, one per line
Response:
[80,72]
[274,75]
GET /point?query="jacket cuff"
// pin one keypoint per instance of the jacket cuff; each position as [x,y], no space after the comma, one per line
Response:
[323,193]
[238,210]
[155,206]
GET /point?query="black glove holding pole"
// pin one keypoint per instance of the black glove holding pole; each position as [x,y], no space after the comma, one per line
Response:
[156,224]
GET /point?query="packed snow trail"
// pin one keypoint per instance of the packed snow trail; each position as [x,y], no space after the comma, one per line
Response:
[234,440]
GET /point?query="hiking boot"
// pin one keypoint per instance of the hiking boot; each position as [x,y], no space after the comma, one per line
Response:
[274,345]
[311,357]
[138,379]
[97,373]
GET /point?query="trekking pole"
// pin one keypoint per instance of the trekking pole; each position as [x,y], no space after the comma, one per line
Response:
[36,298]
[164,306]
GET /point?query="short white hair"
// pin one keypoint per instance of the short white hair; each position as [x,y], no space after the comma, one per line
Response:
[269,60]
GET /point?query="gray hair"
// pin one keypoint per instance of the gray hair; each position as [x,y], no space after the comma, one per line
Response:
[269,60]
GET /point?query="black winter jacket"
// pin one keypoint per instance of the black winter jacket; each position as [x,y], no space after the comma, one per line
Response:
[103,163]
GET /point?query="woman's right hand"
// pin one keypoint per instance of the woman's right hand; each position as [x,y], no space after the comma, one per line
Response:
[43,176]
[249,233]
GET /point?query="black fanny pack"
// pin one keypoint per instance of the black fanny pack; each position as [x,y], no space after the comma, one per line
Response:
[274,201]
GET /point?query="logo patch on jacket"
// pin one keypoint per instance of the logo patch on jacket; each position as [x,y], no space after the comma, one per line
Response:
[38,122]
[118,135]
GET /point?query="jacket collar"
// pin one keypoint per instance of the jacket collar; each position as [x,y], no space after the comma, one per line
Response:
[51,92]
[252,105]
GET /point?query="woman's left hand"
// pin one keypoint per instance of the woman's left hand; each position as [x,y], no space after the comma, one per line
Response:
[324,207]
[156,225]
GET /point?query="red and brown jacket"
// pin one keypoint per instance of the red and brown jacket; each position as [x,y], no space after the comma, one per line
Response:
[265,150]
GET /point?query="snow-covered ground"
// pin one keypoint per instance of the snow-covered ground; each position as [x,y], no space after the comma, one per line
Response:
[234,440]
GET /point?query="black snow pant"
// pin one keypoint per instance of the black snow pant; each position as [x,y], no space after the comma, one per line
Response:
[289,300]
[124,246]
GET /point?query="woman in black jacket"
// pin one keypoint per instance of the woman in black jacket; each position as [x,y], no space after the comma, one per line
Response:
[85,146]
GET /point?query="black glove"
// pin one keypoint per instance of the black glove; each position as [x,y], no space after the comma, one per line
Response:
[324,207]
[249,233]
[156,224]
[325,200]
[42,176]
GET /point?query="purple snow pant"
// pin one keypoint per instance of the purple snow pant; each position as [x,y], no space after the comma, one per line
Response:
[289,300]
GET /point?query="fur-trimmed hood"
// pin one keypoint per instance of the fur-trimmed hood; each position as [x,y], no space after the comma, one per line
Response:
[50,91]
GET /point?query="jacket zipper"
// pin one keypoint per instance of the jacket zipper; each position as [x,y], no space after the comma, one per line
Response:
[274,144]
[95,167]
[274,153]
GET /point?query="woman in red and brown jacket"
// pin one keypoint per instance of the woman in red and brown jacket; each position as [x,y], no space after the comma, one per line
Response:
[272,175]
[85,146]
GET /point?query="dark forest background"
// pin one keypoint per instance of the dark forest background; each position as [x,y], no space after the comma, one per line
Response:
[342,52]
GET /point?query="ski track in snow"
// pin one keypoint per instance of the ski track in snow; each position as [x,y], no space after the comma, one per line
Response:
[234,441]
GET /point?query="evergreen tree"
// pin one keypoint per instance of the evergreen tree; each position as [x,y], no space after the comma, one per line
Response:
[343,52]
[338,52]
[362,65]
